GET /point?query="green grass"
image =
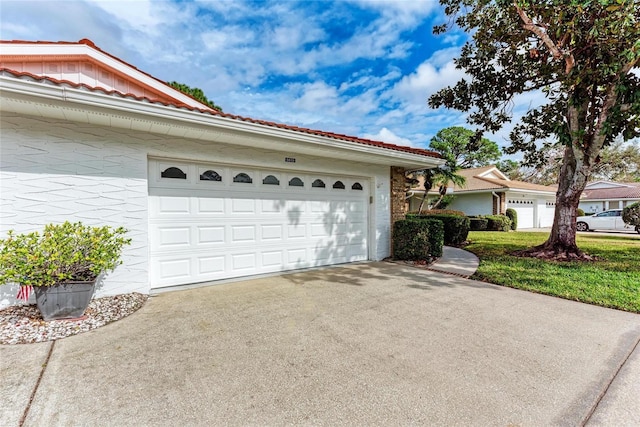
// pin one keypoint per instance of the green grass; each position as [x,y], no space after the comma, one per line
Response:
[612,281]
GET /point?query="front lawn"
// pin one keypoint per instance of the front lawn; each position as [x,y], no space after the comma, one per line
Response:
[613,281]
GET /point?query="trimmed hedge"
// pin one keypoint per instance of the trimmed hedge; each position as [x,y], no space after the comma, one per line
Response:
[513,216]
[456,228]
[437,212]
[478,223]
[417,239]
[498,223]
[580,212]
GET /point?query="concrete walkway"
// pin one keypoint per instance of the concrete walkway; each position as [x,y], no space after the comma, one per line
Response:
[363,344]
[456,261]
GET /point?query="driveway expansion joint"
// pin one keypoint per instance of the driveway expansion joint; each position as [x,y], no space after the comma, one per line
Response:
[604,391]
[37,385]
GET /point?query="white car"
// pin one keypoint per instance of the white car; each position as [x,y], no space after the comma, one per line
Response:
[606,220]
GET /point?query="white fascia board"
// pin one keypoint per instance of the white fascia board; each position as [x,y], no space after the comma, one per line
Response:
[86,50]
[132,109]
[532,192]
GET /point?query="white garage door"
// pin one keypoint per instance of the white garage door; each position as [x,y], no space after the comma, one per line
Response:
[210,222]
[525,209]
[547,212]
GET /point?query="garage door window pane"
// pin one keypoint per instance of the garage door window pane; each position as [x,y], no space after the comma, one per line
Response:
[173,172]
[243,178]
[210,175]
[318,183]
[296,182]
[338,185]
[356,186]
[270,180]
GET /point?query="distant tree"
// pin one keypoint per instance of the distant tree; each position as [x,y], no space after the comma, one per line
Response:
[196,93]
[512,169]
[464,148]
[581,55]
[619,162]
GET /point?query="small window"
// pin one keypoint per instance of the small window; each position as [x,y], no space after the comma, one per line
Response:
[356,186]
[270,180]
[318,183]
[173,172]
[210,176]
[296,182]
[243,178]
[338,185]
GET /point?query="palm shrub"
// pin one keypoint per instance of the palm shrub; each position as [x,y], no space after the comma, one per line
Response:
[513,216]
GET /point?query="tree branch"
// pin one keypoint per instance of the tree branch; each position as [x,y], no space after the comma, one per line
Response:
[542,35]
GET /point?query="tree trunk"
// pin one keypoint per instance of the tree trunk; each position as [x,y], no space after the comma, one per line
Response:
[561,244]
[424,198]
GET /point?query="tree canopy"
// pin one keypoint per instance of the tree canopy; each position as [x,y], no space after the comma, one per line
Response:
[463,148]
[196,93]
[580,55]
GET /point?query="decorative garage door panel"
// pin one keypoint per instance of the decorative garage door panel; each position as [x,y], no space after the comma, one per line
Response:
[525,209]
[248,221]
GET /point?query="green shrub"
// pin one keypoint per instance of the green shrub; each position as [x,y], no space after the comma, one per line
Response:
[498,223]
[456,228]
[580,212]
[436,236]
[513,216]
[61,253]
[411,240]
[631,214]
[478,223]
[436,212]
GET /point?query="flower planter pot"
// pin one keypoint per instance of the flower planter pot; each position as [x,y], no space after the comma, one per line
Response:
[64,300]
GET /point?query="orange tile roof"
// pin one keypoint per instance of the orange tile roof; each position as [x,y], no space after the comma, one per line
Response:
[17,74]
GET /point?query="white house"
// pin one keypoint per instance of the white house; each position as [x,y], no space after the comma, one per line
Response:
[487,191]
[205,195]
[599,196]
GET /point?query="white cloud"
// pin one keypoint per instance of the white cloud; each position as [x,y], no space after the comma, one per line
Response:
[426,80]
[385,135]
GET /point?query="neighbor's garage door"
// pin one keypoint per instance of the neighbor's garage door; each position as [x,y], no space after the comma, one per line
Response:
[525,210]
[209,222]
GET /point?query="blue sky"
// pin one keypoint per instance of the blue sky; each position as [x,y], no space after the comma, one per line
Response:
[362,68]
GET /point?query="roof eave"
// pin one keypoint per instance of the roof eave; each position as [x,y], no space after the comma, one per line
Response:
[51,98]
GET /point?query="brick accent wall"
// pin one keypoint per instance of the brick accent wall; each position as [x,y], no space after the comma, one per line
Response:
[398,204]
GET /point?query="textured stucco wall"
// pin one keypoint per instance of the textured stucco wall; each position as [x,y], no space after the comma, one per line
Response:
[53,170]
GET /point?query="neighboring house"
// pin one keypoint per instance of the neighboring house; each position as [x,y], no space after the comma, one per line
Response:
[205,195]
[602,195]
[488,191]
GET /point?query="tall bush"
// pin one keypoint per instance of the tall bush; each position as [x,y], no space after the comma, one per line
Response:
[631,214]
[513,216]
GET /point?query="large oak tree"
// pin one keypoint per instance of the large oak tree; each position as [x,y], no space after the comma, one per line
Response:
[582,55]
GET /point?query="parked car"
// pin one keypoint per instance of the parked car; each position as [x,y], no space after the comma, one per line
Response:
[606,220]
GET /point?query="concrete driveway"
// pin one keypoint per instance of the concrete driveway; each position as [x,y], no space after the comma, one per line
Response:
[367,344]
